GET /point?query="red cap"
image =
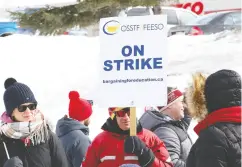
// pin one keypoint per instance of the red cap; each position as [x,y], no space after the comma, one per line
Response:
[173,96]
[79,109]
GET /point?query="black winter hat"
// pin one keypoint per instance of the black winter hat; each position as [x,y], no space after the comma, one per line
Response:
[222,90]
[16,94]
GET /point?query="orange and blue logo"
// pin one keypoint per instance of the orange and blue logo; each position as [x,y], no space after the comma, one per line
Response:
[111,27]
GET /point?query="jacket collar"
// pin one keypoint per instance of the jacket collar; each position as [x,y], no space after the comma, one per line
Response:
[111,125]
[229,115]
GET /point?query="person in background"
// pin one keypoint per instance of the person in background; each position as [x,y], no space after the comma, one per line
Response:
[215,102]
[24,132]
[169,125]
[114,146]
[73,131]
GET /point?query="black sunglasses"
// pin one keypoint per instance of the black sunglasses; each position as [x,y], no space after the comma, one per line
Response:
[23,108]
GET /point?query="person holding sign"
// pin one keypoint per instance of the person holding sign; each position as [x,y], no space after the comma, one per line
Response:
[114,147]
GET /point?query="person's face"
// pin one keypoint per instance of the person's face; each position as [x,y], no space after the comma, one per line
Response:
[25,112]
[177,110]
[123,118]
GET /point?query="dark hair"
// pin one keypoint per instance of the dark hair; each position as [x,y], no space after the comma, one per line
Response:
[14,119]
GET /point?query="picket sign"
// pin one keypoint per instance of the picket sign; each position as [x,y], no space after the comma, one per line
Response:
[133,63]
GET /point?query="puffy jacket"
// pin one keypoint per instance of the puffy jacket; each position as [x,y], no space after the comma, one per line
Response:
[219,142]
[74,137]
[173,133]
[49,154]
[107,149]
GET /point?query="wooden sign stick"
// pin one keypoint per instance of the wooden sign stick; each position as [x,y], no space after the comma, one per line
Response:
[133,128]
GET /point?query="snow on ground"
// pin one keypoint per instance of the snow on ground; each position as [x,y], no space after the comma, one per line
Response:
[52,66]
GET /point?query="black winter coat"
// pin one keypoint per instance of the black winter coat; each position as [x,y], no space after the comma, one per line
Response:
[218,145]
[49,154]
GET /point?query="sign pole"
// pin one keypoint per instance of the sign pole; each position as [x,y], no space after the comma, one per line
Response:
[133,129]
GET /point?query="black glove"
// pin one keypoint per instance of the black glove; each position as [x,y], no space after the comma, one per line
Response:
[133,145]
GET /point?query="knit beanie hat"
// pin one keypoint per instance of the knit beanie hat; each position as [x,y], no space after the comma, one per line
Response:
[79,109]
[16,94]
[222,90]
[173,96]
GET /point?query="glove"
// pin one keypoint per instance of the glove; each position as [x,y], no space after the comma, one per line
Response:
[133,145]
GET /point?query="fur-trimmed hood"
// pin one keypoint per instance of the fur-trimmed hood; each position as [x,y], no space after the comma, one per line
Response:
[195,98]
[219,90]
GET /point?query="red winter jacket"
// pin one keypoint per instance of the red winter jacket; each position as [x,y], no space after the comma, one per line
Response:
[107,149]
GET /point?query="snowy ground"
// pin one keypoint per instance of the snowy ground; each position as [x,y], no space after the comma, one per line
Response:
[52,66]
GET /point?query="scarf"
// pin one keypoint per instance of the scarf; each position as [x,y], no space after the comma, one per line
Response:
[229,115]
[34,132]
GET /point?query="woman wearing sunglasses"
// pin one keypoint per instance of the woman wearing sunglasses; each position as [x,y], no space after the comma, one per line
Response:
[114,147]
[24,133]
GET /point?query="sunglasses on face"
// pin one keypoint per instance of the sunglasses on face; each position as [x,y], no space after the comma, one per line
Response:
[23,108]
[122,112]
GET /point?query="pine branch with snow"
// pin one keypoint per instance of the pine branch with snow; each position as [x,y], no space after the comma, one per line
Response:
[56,20]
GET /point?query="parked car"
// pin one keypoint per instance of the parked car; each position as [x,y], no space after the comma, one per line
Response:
[210,23]
[175,16]
[7,26]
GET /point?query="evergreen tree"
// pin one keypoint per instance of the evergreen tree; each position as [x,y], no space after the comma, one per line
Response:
[56,20]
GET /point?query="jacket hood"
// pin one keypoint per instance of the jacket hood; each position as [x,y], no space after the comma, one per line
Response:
[195,98]
[111,125]
[66,125]
[5,118]
[152,118]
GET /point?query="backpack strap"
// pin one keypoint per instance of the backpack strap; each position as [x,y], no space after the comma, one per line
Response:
[4,146]
[6,149]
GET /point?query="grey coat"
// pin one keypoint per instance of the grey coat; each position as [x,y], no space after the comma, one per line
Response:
[74,137]
[176,139]
[13,162]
